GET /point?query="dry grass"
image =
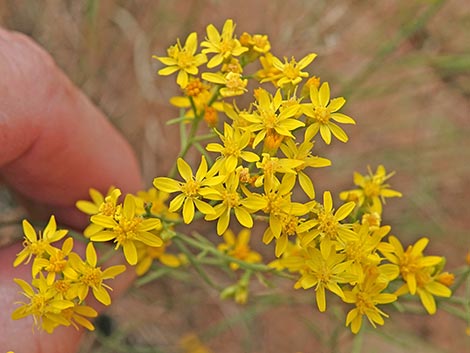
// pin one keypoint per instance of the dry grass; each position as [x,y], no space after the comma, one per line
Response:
[404,67]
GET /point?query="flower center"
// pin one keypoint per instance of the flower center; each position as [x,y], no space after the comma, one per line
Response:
[363,302]
[269,118]
[274,204]
[185,60]
[371,189]
[324,274]
[322,114]
[92,277]
[290,71]
[126,228]
[327,224]
[107,208]
[191,188]
[57,262]
[226,47]
[37,248]
[194,88]
[408,263]
[290,225]
[61,286]
[231,148]
[38,304]
[354,251]
[231,199]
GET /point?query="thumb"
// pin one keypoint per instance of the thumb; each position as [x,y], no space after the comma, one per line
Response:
[54,145]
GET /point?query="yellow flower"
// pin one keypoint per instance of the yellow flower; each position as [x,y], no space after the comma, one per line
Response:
[272,165]
[269,72]
[91,276]
[327,223]
[239,247]
[372,190]
[192,190]
[303,153]
[183,60]
[419,272]
[366,296]
[38,244]
[280,207]
[290,71]
[293,258]
[78,314]
[321,111]
[312,81]
[127,229]
[224,45]
[258,43]
[105,205]
[235,141]
[325,270]
[44,304]
[410,261]
[233,82]
[232,200]
[269,117]
[292,225]
[360,249]
[158,199]
[55,263]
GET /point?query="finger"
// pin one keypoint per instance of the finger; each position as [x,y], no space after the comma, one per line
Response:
[54,146]
[54,143]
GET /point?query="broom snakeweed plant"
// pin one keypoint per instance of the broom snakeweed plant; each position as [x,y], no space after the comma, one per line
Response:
[252,159]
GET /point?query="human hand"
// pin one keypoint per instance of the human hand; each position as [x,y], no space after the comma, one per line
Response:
[54,146]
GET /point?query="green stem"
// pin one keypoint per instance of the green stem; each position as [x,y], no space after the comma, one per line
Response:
[194,261]
[210,249]
[357,343]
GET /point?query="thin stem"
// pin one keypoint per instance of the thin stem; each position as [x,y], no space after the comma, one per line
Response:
[357,343]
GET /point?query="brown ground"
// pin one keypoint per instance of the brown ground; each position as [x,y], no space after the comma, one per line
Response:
[404,67]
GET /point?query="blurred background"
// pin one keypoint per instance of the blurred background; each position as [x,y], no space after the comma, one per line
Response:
[404,68]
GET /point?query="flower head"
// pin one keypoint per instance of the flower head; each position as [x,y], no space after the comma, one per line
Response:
[372,190]
[290,72]
[420,273]
[127,229]
[328,223]
[89,275]
[38,244]
[182,59]
[230,199]
[234,142]
[192,189]
[322,111]
[366,296]
[43,304]
[271,117]
[326,269]
[233,82]
[238,246]
[224,45]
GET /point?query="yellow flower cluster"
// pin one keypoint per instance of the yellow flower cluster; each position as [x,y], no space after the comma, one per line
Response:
[134,225]
[254,168]
[265,149]
[61,280]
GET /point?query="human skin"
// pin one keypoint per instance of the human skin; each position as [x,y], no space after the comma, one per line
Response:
[54,145]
